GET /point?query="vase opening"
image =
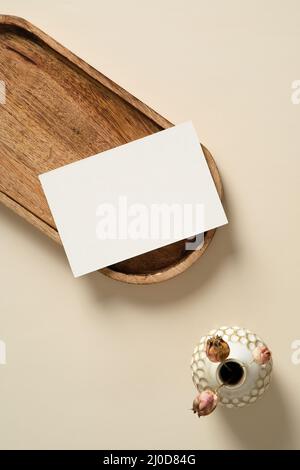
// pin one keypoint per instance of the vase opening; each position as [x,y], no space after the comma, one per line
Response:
[231,373]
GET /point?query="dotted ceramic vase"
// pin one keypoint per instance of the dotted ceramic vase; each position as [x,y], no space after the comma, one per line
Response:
[239,380]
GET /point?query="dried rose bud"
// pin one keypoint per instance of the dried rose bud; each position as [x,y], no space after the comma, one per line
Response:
[217,350]
[205,403]
[261,355]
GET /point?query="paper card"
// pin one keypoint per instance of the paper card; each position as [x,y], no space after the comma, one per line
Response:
[133,199]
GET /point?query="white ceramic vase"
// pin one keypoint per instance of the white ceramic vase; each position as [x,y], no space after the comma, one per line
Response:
[238,380]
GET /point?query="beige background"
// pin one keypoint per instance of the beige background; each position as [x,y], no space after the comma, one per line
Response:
[92,363]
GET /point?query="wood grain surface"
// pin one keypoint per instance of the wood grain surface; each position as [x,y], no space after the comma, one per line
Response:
[58,110]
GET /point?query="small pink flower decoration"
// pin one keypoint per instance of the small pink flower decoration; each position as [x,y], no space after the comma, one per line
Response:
[261,355]
[205,403]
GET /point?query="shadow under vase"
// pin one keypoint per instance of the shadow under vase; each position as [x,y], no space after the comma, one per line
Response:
[263,425]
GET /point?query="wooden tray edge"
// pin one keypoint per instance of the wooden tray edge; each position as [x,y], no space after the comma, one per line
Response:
[91,71]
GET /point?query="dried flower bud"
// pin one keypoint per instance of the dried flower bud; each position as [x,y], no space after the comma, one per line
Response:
[261,355]
[217,350]
[205,403]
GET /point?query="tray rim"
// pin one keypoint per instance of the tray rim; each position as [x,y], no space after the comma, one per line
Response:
[25,213]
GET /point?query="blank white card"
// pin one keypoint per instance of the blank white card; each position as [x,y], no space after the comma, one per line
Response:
[133,199]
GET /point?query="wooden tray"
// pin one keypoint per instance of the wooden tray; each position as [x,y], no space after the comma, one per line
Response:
[58,110]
